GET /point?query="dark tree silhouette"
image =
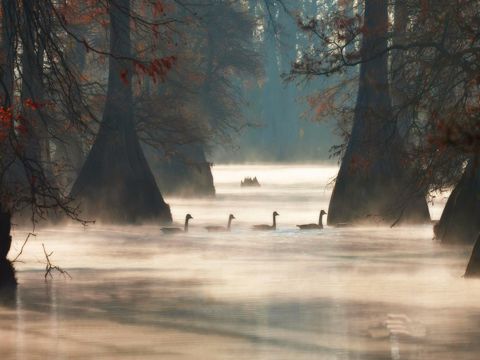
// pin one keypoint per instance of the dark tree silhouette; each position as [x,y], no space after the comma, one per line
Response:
[116,183]
[460,220]
[371,176]
[187,173]
[473,267]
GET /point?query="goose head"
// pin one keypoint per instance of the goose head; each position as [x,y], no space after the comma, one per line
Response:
[323,212]
[231,217]
[188,217]
[276,213]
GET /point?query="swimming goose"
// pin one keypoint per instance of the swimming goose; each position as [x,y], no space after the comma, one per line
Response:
[268,227]
[314,226]
[172,230]
[221,228]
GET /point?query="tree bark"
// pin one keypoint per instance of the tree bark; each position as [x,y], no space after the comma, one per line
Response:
[473,267]
[7,272]
[69,148]
[399,86]
[5,228]
[9,32]
[116,183]
[371,185]
[187,173]
[32,86]
[8,283]
[460,220]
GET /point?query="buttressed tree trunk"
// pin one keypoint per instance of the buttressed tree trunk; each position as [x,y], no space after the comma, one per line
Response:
[5,228]
[69,149]
[416,210]
[187,173]
[371,185]
[116,183]
[473,267]
[460,220]
[7,272]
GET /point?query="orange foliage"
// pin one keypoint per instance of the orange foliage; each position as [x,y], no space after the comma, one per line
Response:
[157,69]
[81,12]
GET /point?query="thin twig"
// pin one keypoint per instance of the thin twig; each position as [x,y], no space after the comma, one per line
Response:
[50,267]
[21,249]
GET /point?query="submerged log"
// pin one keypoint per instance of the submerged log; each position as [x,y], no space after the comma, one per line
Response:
[460,220]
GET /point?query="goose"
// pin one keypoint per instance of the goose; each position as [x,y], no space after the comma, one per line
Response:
[173,230]
[221,228]
[268,227]
[314,226]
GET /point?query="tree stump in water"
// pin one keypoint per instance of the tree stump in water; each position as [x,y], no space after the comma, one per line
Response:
[473,267]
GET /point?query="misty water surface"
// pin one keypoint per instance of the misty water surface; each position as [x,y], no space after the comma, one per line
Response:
[364,293]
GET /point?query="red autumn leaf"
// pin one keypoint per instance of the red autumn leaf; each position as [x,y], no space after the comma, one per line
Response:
[32,105]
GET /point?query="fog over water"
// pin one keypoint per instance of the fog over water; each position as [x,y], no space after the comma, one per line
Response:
[336,293]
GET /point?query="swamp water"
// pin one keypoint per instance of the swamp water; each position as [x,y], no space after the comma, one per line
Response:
[345,293]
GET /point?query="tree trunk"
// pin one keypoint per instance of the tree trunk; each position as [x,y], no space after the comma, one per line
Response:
[5,228]
[399,88]
[473,267]
[32,85]
[7,68]
[460,220]
[7,272]
[8,283]
[187,173]
[69,149]
[371,185]
[417,208]
[9,32]
[116,183]
[270,143]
